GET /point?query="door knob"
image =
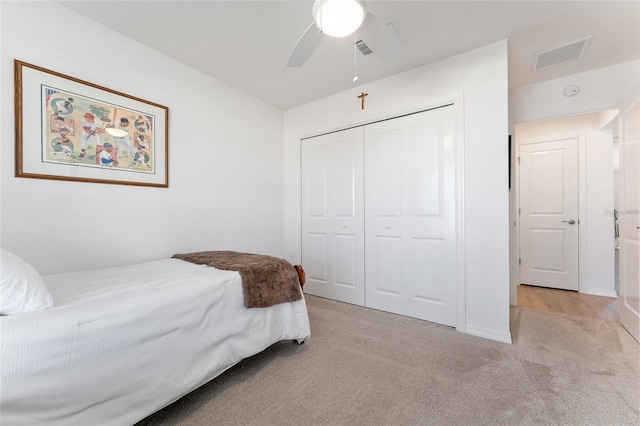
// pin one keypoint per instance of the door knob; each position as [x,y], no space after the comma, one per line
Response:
[570,222]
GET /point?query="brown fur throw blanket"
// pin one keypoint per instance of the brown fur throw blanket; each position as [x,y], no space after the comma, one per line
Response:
[266,280]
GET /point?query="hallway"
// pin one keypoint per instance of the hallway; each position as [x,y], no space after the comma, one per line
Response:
[568,302]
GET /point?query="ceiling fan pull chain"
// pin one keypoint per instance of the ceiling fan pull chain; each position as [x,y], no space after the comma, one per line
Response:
[355,57]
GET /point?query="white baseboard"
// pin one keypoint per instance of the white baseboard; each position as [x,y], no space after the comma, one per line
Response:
[488,333]
[599,292]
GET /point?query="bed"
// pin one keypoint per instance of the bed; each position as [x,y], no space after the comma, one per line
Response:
[119,344]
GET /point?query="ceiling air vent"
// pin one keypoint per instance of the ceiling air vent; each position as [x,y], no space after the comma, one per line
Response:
[364,49]
[561,54]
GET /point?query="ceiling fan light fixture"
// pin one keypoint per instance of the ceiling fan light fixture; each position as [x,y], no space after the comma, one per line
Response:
[338,18]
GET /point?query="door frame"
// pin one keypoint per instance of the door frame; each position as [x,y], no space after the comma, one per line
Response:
[581,137]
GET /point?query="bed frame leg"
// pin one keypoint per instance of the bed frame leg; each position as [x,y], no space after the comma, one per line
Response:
[299,341]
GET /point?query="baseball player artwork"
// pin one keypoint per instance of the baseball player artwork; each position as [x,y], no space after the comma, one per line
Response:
[86,132]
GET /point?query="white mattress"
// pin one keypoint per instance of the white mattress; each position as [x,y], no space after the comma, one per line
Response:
[121,343]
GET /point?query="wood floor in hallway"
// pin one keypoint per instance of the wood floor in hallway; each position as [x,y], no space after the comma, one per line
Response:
[568,302]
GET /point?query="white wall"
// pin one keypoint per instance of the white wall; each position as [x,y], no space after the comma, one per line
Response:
[600,89]
[480,78]
[595,153]
[225,157]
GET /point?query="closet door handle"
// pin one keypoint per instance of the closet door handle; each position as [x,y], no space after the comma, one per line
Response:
[570,222]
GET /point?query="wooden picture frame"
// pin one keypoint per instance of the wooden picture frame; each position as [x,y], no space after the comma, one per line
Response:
[70,129]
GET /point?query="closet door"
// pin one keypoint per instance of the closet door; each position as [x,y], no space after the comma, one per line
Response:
[410,219]
[332,215]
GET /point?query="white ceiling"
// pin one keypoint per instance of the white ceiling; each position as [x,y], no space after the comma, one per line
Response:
[245,44]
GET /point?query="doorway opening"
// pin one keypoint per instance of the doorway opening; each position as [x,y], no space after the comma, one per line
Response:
[544,230]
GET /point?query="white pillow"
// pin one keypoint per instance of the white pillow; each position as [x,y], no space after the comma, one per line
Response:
[21,287]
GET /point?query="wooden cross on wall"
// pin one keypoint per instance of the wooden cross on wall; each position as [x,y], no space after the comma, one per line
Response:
[361,97]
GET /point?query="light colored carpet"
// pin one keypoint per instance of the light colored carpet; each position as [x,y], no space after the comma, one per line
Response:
[365,367]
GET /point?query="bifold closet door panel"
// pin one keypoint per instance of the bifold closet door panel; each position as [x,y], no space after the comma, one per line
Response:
[332,215]
[410,215]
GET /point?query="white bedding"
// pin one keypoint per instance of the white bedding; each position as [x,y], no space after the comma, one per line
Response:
[121,343]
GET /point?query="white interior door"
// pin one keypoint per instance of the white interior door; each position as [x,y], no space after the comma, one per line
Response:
[410,216]
[549,214]
[332,215]
[629,219]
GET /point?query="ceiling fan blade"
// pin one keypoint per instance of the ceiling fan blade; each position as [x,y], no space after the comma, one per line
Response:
[381,38]
[305,46]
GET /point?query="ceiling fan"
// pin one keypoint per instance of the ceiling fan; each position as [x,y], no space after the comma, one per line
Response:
[332,17]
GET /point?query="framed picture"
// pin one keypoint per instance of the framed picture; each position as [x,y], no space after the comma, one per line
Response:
[69,129]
